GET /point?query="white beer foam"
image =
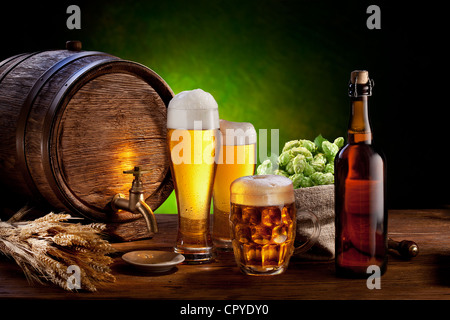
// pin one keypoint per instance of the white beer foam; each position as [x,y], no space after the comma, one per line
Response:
[194,106]
[262,190]
[237,133]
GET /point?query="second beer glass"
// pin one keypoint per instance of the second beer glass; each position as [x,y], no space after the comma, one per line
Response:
[193,136]
[237,158]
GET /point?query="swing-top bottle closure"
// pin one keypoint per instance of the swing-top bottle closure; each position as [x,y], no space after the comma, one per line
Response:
[360,84]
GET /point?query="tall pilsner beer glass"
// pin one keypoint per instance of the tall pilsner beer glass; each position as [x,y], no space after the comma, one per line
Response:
[193,137]
[237,158]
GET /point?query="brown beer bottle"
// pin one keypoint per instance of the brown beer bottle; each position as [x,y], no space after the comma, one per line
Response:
[360,191]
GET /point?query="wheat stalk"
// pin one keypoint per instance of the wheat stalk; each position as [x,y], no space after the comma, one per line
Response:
[46,247]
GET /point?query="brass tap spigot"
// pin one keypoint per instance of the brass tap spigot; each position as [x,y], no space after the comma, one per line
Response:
[136,202]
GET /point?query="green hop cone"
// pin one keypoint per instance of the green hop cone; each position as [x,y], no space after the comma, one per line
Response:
[328,178]
[301,150]
[290,144]
[290,167]
[299,163]
[306,182]
[329,168]
[320,178]
[309,170]
[339,142]
[265,168]
[308,145]
[281,173]
[319,162]
[296,179]
[329,149]
[284,158]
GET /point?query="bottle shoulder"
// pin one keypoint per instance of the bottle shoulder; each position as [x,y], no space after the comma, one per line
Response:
[360,150]
[359,162]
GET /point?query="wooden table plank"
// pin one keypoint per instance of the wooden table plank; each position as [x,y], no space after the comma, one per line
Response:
[426,276]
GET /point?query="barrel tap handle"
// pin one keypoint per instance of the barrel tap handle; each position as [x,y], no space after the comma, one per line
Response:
[137,185]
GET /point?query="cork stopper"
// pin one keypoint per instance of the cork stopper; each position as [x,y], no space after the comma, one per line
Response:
[359,77]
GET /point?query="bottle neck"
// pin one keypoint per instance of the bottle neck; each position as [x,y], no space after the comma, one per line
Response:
[359,130]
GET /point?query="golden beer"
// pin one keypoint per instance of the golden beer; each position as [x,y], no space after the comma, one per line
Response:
[237,158]
[193,137]
[263,223]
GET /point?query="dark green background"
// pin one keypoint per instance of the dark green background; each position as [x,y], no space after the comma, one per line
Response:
[280,65]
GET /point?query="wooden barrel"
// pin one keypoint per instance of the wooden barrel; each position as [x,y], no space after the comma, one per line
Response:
[72,121]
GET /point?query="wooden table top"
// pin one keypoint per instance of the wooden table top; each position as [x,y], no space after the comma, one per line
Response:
[426,276]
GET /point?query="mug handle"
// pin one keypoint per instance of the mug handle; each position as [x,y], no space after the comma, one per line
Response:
[315,235]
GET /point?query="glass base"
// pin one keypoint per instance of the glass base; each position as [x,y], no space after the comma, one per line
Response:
[196,256]
[223,245]
[262,271]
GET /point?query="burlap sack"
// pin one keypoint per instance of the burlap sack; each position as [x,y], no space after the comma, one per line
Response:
[320,201]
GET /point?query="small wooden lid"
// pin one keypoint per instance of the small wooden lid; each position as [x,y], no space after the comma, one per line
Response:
[359,77]
[73,45]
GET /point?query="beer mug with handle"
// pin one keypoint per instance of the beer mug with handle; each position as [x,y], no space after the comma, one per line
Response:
[263,224]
